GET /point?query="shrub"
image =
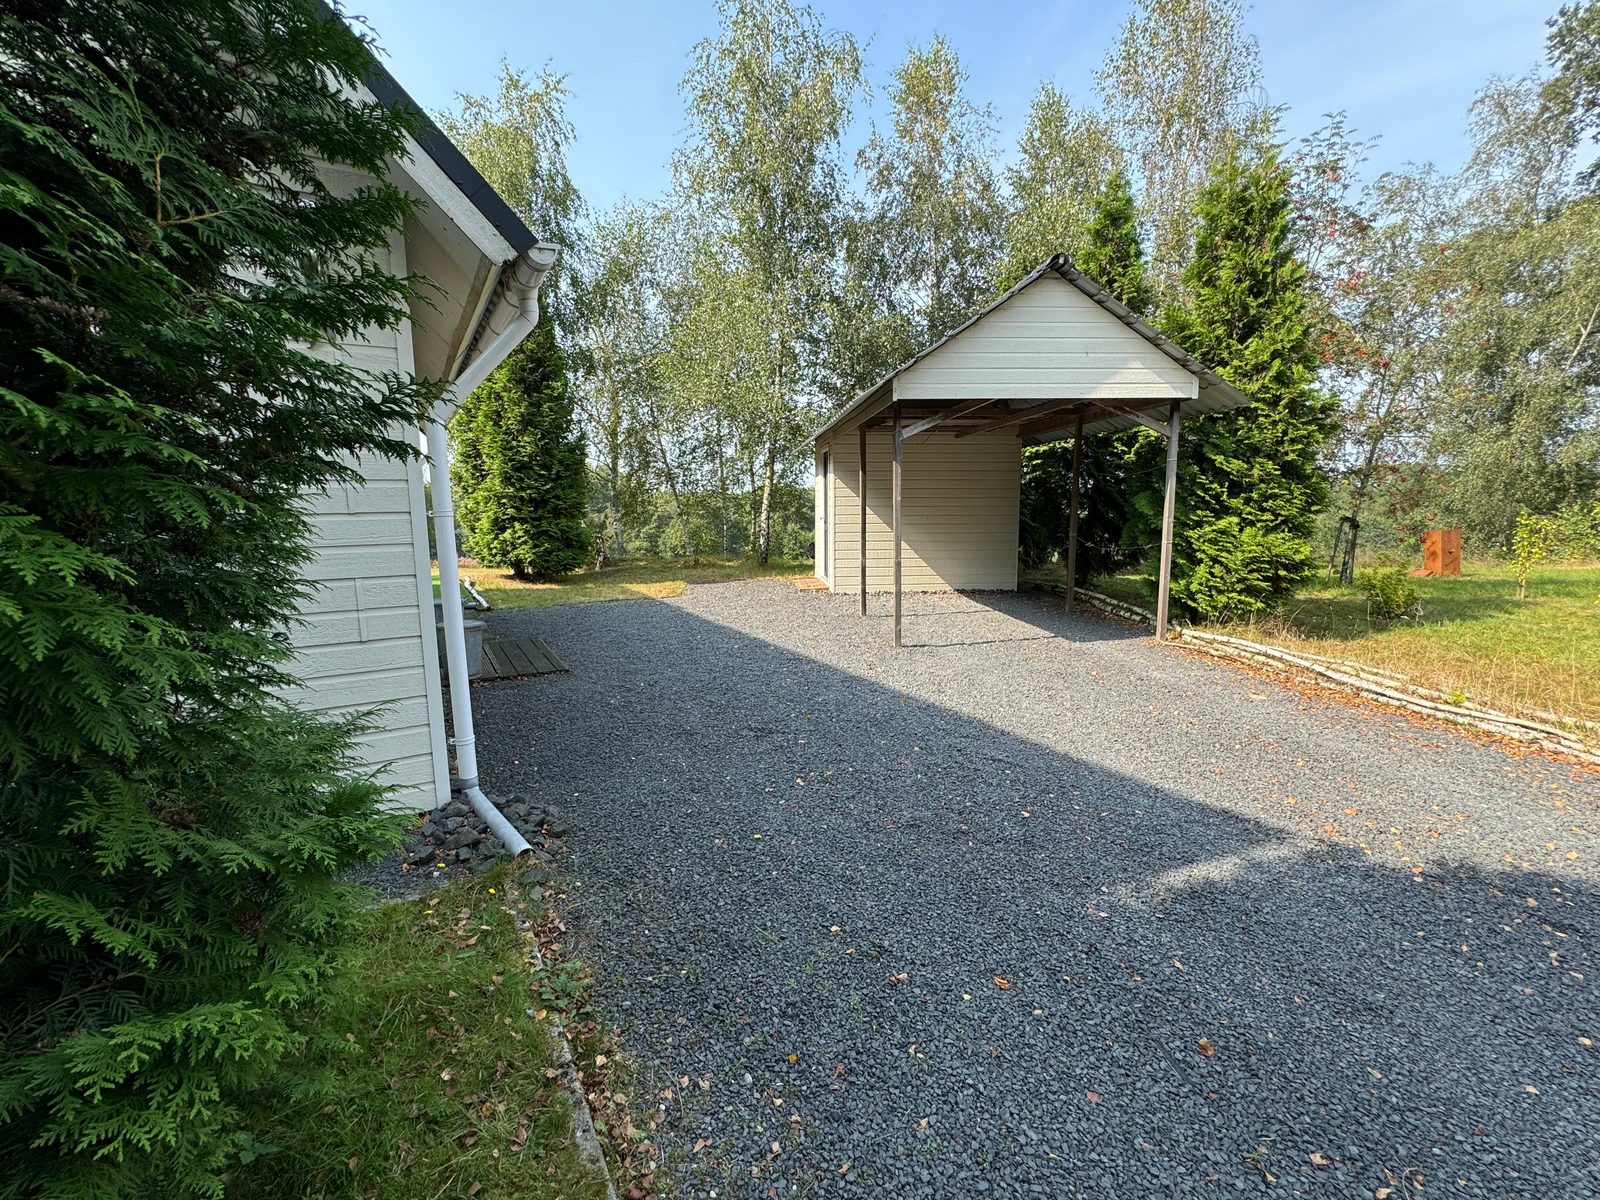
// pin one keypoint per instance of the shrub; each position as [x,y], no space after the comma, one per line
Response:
[1391,594]
[1532,542]
[174,831]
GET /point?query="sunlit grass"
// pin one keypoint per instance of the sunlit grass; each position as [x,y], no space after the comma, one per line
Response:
[636,579]
[1474,640]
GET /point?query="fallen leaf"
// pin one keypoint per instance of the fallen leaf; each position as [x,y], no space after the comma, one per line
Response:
[1383,1193]
[474,1189]
[1530,1089]
[1092,1097]
[599,1060]
[352,1163]
[794,1058]
[899,979]
[922,1125]
[844,1168]
[1207,1047]
[1002,984]
[1318,1159]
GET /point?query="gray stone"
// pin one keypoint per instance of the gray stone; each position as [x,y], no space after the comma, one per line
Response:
[1099,821]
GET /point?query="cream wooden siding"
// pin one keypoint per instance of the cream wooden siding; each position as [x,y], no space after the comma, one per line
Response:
[822,520]
[365,642]
[1048,342]
[959,505]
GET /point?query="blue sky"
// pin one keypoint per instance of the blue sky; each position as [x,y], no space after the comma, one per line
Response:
[1406,69]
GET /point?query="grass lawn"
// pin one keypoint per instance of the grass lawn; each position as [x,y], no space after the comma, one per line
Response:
[1474,639]
[439,1072]
[635,579]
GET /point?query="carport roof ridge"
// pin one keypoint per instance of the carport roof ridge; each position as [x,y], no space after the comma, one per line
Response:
[1215,393]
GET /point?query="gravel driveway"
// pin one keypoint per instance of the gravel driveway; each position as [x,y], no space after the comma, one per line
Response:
[1040,908]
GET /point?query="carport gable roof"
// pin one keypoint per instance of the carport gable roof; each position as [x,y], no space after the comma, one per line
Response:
[1041,419]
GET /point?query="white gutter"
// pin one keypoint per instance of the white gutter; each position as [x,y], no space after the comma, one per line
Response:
[522,299]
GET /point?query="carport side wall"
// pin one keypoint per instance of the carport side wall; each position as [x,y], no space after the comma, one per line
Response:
[960,500]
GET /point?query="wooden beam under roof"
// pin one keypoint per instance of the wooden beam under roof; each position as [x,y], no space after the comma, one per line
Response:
[1054,423]
[1019,416]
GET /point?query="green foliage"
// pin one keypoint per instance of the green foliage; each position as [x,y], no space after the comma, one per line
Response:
[1578,531]
[1103,506]
[1573,93]
[769,100]
[1391,593]
[174,829]
[937,216]
[422,1020]
[1111,254]
[1250,485]
[1532,542]
[1181,89]
[523,489]
[1063,159]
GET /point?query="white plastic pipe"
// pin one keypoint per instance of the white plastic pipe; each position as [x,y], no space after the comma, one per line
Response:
[526,276]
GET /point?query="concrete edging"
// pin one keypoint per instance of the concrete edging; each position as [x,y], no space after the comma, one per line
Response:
[566,1067]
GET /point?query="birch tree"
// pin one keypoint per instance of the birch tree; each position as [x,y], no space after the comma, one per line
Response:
[1064,157]
[768,101]
[617,331]
[937,215]
[1182,87]
[517,138]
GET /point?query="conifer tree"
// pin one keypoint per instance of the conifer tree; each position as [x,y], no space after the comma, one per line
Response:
[1111,254]
[174,830]
[519,466]
[1250,485]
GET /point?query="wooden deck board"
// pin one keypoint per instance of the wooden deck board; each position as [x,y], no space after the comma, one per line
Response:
[520,658]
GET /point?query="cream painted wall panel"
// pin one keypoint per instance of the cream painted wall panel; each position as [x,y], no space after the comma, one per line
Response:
[1050,341]
[959,503]
[363,643]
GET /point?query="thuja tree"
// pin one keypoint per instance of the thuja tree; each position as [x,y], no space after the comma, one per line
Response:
[1110,253]
[174,832]
[1249,485]
[519,466]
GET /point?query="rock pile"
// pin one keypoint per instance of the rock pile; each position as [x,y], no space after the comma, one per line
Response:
[454,836]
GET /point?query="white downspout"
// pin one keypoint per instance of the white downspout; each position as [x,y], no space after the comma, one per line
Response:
[526,275]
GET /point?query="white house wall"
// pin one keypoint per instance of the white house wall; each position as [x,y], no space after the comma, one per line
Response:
[959,511]
[367,640]
[1048,342]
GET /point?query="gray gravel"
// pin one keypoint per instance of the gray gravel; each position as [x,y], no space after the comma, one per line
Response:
[798,854]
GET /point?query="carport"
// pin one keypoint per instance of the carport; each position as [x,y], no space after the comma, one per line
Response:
[937,444]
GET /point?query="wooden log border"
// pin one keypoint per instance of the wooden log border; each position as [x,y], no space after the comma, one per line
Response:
[1553,733]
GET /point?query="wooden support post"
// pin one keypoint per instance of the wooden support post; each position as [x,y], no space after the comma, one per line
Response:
[898,443]
[1169,499]
[861,500]
[1072,513]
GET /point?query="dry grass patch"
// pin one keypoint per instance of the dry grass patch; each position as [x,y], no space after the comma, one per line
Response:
[1474,640]
[636,579]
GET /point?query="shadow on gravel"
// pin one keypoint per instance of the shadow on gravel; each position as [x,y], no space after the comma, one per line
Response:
[897,950]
